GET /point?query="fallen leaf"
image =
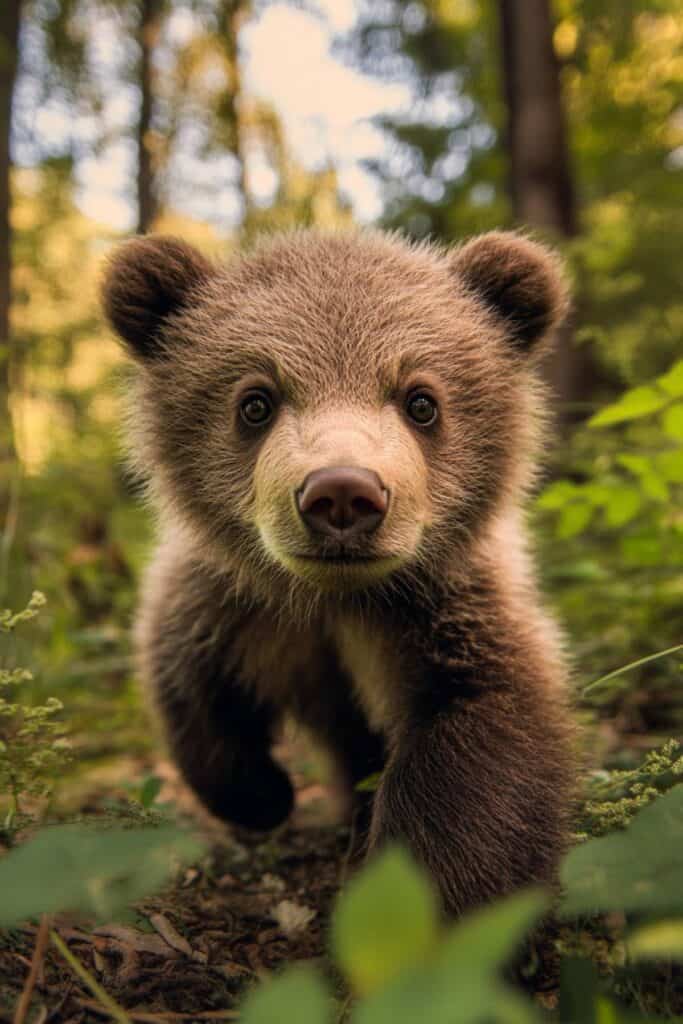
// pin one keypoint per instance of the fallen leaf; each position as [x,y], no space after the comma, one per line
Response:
[292,917]
[168,933]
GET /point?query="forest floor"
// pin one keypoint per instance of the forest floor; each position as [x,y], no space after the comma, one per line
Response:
[250,905]
[190,952]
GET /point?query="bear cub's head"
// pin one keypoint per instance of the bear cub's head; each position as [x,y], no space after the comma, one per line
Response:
[335,408]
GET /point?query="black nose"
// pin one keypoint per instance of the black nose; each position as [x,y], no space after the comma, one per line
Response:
[342,502]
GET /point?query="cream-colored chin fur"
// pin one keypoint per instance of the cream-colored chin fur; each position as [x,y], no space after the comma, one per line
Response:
[330,576]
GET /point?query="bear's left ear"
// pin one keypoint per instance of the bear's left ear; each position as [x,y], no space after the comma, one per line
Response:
[519,280]
[147,280]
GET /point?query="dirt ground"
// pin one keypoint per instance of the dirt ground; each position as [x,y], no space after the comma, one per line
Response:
[189,953]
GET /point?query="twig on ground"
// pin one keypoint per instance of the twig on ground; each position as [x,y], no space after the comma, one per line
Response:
[145,1017]
[42,939]
[109,1005]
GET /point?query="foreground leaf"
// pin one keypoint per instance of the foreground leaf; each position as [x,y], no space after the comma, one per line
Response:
[627,870]
[461,985]
[386,921]
[298,995]
[75,867]
[637,402]
[660,941]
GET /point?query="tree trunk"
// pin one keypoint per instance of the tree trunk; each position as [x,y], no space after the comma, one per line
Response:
[10,11]
[540,177]
[231,16]
[148,34]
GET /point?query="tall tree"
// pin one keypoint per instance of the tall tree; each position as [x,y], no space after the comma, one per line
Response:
[10,14]
[540,178]
[150,16]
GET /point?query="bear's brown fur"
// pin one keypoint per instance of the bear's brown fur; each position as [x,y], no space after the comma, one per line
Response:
[418,649]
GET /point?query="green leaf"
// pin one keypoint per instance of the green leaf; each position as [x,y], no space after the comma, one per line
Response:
[369,784]
[639,465]
[149,791]
[386,921]
[461,983]
[483,941]
[624,504]
[626,870]
[578,990]
[672,382]
[663,940]
[557,495]
[298,994]
[74,867]
[670,465]
[672,421]
[638,402]
[573,519]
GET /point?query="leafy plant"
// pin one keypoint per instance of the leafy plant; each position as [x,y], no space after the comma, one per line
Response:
[612,536]
[636,483]
[96,871]
[402,963]
[33,748]
[638,869]
[614,797]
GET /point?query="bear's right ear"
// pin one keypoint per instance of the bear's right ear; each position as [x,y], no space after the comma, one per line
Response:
[519,280]
[146,281]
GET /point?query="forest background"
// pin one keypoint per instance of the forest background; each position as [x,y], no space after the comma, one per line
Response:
[564,118]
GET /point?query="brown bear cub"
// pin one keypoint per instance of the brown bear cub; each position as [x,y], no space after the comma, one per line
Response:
[338,430]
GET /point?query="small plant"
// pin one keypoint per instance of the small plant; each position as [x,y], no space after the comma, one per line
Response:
[614,797]
[33,748]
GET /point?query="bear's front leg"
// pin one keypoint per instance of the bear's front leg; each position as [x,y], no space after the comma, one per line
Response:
[480,779]
[218,730]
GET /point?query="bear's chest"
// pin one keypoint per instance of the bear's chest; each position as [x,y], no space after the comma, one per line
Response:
[372,660]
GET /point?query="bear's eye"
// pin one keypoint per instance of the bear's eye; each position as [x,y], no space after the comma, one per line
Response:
[256,408]
[422,408]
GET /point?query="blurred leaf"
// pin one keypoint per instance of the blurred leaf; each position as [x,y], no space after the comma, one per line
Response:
[149,791]
[298,995]
[663,940]
[461,984]
[557,495]
[578,991]
[623,505]
[673,421]
[484,940]
[386,920]
[573,519]
[637,402]
[626,870]
[672,382]
[369,784]
[74,867]
[670,465]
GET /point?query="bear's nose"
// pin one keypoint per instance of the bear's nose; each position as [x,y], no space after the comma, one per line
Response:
[342,501]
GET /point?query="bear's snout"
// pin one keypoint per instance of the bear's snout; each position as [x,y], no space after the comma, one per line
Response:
[343,502]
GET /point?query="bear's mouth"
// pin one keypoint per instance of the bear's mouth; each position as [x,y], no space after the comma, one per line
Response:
[339,558]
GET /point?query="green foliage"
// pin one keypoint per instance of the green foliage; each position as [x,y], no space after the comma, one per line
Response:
[634,485]
[402,963]
[33,749]
[374,937]
[640,869]
[299,994]
[613,543]
[614,797]
[98,872]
